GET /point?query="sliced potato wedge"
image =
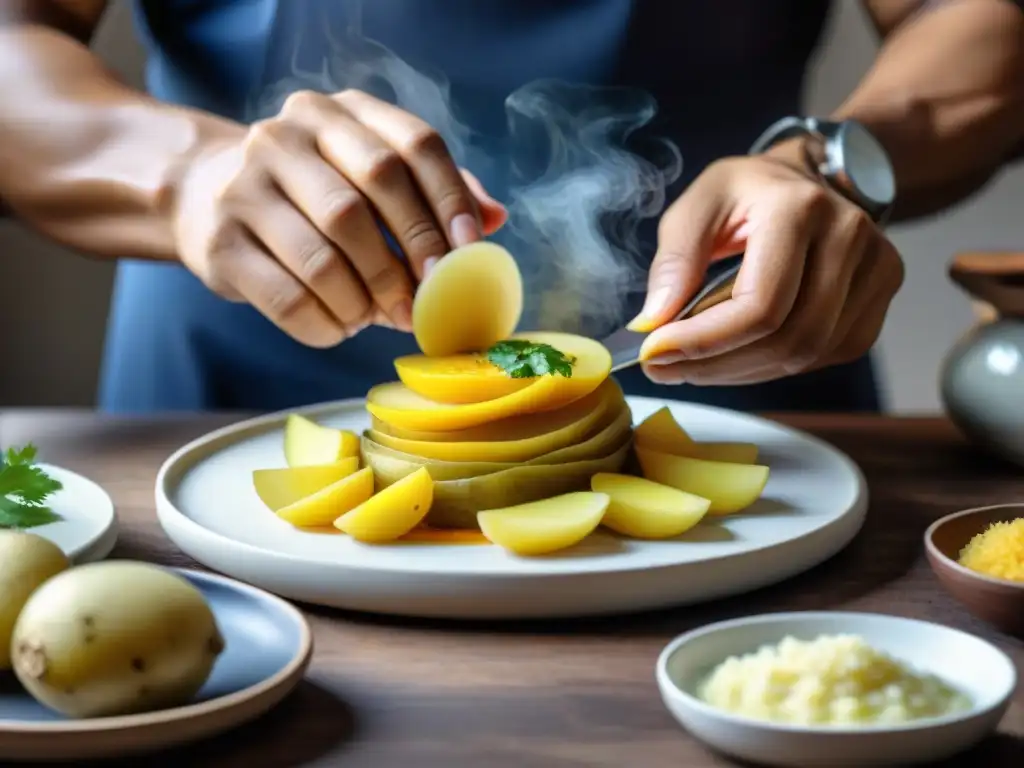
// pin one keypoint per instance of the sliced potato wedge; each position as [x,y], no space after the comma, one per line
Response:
[323,507]
[392,512]
[307,443]
[278,488]
[542,527]
[644,509]
[730,487]
[661,432]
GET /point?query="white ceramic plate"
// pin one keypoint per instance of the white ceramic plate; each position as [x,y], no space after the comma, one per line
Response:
[813,505]
[975,667]
[88,529]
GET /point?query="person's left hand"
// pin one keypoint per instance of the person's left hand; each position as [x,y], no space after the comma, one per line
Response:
[816,281]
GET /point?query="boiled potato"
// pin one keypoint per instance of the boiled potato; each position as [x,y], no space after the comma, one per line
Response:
[26,561]
[546,526]
[323,507]
[307,443]
[389,465]
[392,512]
[115,638]
[729,487]
[396,404]
[456,502]
[278,488]
[661,432]
[567,426]
[646,510]
[457,379]
[472,298]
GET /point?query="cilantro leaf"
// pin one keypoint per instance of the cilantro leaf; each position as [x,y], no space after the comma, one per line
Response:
[522,359]
[24,487]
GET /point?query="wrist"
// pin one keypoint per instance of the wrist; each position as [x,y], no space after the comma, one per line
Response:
[792,153]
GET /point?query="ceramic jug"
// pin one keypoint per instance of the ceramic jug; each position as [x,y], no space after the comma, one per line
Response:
[982,380]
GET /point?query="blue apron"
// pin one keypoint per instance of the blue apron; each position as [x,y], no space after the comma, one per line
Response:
[563,109]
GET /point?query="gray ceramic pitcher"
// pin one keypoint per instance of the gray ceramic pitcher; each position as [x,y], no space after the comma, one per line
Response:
[983,375]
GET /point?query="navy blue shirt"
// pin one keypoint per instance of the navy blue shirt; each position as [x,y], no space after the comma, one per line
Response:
[564,110]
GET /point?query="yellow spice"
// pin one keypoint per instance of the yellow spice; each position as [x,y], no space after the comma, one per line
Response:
[997,551]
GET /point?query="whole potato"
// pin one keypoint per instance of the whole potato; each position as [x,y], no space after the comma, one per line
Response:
[26,561]
[115,638]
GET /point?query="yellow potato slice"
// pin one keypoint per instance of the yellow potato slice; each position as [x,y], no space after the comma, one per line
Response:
[546,526]
[644,509]
[392,512]
[566,426]
[661,432]
[307,443]
[457,379]
[472,298]
[390,465]
[323,507]
[730,487]
[397,405]
[278,488]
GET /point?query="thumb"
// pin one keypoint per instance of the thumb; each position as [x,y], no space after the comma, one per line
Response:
[687,238]
[493,214]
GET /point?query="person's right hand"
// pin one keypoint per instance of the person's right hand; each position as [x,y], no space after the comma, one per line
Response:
[287,216]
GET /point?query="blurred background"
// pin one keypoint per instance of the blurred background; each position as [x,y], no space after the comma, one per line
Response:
[60,299]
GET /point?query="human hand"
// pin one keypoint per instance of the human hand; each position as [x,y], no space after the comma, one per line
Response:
[284,215]
[816,281]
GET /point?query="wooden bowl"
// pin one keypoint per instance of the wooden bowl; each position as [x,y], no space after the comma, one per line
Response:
[1000,602]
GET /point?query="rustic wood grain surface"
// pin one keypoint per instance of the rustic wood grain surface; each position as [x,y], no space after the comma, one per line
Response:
[574,694]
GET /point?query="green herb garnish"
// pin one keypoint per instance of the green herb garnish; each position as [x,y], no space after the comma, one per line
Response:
[24,487]
[522,359]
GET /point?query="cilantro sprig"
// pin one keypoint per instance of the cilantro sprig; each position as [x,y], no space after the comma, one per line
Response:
[24,489]
[522,359]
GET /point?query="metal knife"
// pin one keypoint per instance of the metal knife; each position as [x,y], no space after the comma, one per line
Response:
[624,344]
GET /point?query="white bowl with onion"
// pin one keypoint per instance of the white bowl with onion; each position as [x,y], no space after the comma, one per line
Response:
[975,669]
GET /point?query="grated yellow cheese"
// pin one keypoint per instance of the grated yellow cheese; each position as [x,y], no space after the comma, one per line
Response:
[997,551]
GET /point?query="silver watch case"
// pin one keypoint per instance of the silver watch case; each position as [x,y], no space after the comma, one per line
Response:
[846,156]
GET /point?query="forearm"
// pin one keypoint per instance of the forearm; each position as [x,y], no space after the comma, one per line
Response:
[946,98]
[85,159]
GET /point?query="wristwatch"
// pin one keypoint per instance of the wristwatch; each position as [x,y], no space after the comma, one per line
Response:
[844,155]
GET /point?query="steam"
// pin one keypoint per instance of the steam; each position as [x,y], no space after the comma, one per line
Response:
[578,184]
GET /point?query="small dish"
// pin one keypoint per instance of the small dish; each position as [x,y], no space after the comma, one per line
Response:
[268,647]
[1000,602]
[977,668]
[87,530]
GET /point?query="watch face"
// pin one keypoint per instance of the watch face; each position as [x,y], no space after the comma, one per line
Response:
[866,164]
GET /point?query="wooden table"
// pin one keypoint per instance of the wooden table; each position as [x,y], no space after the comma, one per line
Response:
[578,694]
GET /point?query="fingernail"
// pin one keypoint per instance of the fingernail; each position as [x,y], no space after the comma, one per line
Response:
[667,358]
[655,305]
[429,264]
[464,230]
[402,314]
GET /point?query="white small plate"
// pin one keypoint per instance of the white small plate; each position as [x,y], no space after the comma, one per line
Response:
[87,530]
[977,668]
